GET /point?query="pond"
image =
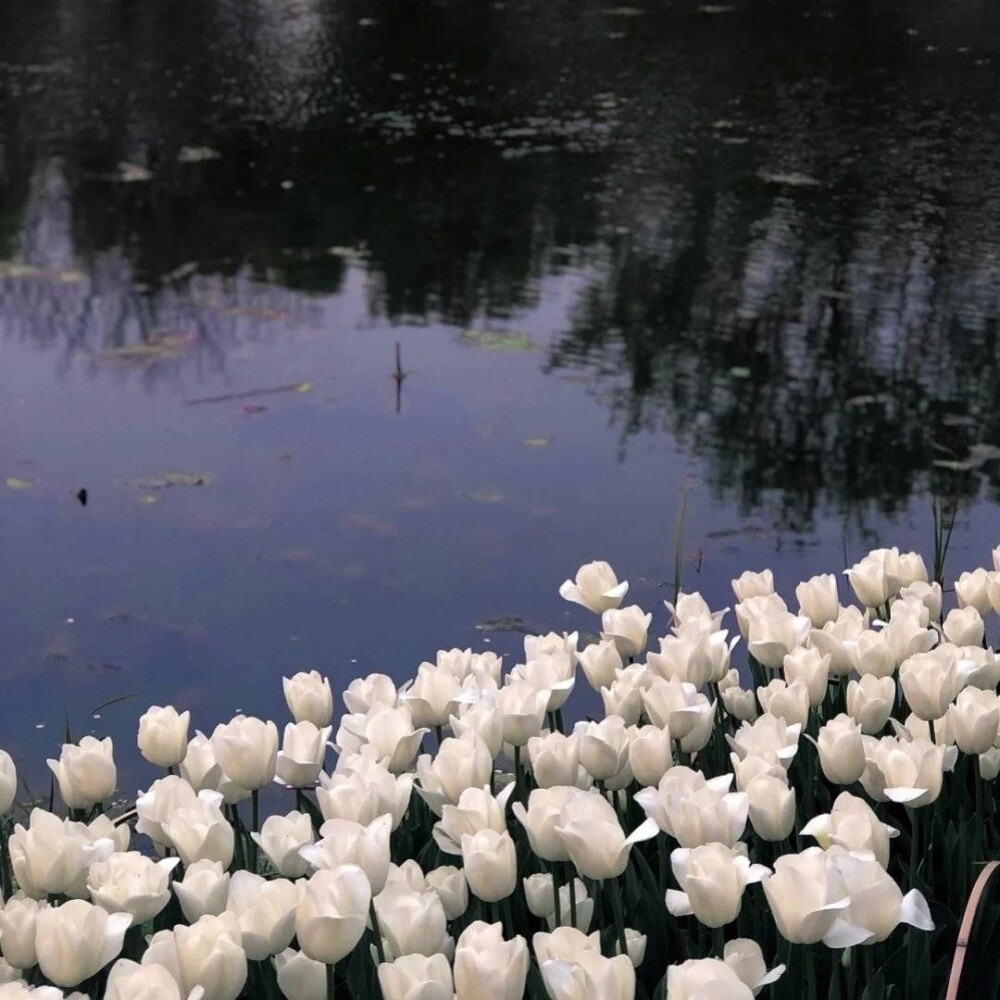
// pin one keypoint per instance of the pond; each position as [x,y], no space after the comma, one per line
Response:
[727,268]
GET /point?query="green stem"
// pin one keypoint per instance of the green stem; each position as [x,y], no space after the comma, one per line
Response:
[330,976]
[572,894]
[810,956]
[519,789]
[663,859]
[555,894]
[616,906]
[508,916]
[719,942]
[377,931]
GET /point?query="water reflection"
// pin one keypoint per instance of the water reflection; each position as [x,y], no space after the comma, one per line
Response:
[788,234]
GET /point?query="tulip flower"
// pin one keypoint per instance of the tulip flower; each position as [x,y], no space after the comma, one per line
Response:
[974,720]
[332,913]
[281,838]
[411,922]
[131,883]
[931,681]
[483,956]
[906,634]
[247,751]
[523,708]
[564,944]
[265,909]
[818,599]
[747,768]
[869,578]
[477,810]
[788,701]
[432,697]
[362,789]
[301,756]
[596,587]
[841,752]
[635,947]
[584,908]
[483,718]
[980,667]
[628,628]
[202,772]
[452,889]
[989,764]
[837,639]
[460,763]
[309,698]
[603,746]
[601,662]
[929,594]
[712,880]
[594,839]
[764,607]
[346,843]
[964,627]
[389,731]
[538,894]
[812,668]
[749,584]
[739,703]
[163,735]
[693,810]
[771,807]
[805,895]
[130,981]
[693,608]
[18,919]
[767,736]
[590,974]
[537,647]
[51,856]
[972,590]
[852,825]
[206,954]
[416,977]
[700,978]
[8,782]
[906,771]
[878,905]
[364,692]
[870,701]
[300,977]
[554,673]
[650,754]
[874,655]
[555,759]
[201,832]
[204,890]
[76,940]
[490,864]
[745,958]
[694,654]
[770,639]
[675,705]
[85,772]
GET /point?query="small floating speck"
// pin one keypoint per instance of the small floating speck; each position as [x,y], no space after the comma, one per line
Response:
[354,659]
[287,185]
[95,716]
[40,725]
[70,621]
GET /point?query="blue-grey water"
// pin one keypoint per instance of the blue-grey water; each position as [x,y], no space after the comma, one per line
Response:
[743,257]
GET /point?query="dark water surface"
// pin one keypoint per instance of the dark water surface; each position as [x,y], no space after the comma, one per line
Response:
[745,254]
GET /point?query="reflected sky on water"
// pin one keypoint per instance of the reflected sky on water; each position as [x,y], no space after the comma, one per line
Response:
[634,256]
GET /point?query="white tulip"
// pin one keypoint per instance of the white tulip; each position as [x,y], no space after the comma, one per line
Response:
[675,705]
[416,977]
[362,788]
[805,895]
[202,772]
[603,746]
[964,627]
[477,810]
[18,918]
[302,754]
[760,608]
[841,752]
[131,883]
[712,880]
[208,954]
[555,758]
[265,909]
[768,736]
[332,913]
[247,750]
[76,940]
[432,696]
[411,922]
[522,707]
[201,832]
[8,782]
[650,754]
[452,889]
[852,825]
[85,772]
[344,842]
[972,590]
[483,718]
[701,978]
[596,587]
[461,762]
[628,628]
[309,698]
[554,673]
[281,838]
[594,839]
[812,668]
[929,594]
[131,981]
[771,807]
[203,891]
[693,608]
[874,655]
[745,958]
[906,771]
[483,956]
[490,864]
[749,584]
[870,701]
[600,662]
[788,701]
[389,731]
[588,975]
[818,599]
[364,692]
[974,720]
[163,735]
[300,977]
[837,639]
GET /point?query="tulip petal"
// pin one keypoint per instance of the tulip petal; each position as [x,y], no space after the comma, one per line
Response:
[678,903]
[915,911]
[845,935]
[904,795]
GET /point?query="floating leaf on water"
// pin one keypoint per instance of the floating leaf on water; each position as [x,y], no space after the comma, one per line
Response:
[164,481]
[535,442]
[196,154]
[368,522]
[504,623]
[17,483]
[146,498]
[790,179]
[170,346]
[497,340]
[485,496]
[305,387]
[131,173]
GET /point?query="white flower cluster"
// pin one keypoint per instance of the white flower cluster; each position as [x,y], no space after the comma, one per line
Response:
[466,835]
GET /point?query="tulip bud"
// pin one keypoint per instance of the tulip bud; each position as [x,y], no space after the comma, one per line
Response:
[841,752]
[700,978]
[749,584]
[163,735]
[281,838]
[974,719]
[964,627]
[85,772]
[596,587]
[460,763]
[812,668]
[739,703]
[203,890]
[247,751]
[635,947]
[346,843]
[596,843]
[130,981]
[852,825]
[208,954]
[818,599]
[483,956]
[538,893]
[18,919]
[300,977]
[332,913]
[490,864]
[628,628]
[604,746]
[309,698]
[555,759]
[600,661]
[771,807]
[302,754]
[712,879]
[76,940]
[452,889]
[200,831]
[787,701]
[411,922]
[745,958]
[8,782]
[805,896]
[870,701]
[416,977]
[929,594]
[650,754]
[361,694]
[870,580]
[972,590]
[522,707]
